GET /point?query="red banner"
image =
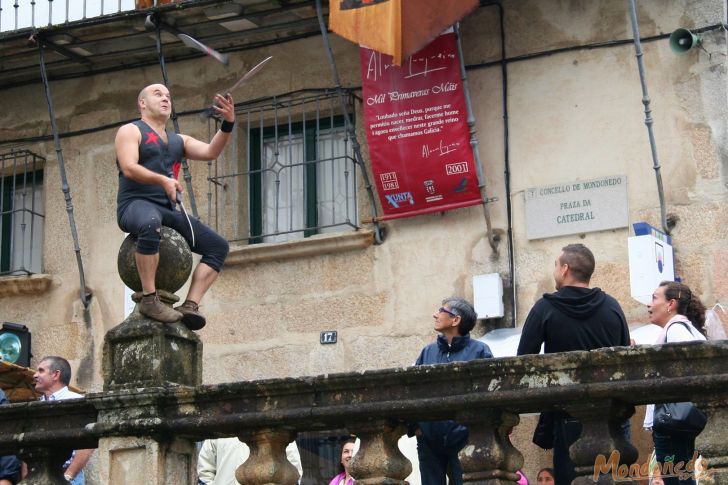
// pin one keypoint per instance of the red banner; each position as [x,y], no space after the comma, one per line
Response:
[416,124]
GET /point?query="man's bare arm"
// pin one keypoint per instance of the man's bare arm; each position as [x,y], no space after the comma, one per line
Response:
[127,153]
[198,150]
[80,459]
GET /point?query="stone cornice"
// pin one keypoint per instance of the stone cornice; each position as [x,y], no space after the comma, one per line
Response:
[300,248]
[36,284]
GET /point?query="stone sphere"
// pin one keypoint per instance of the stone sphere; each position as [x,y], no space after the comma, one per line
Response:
[175,262]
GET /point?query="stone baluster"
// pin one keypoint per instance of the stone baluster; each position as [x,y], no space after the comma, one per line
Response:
[602,446]
[268,462]
[379,460]
[489,457]
[711,443]
[45,465]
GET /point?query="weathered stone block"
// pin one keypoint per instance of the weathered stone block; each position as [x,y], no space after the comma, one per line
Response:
[144,460]
[141,352]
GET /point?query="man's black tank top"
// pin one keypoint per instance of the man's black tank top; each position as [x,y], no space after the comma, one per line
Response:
[156,156]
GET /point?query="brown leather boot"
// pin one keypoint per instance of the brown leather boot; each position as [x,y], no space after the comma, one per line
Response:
[151,307]
[191,316]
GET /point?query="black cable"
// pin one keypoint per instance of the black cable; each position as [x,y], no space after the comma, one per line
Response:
[596,45]
[507,164]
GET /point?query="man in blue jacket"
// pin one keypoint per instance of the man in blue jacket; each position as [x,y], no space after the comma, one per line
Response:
[438,442]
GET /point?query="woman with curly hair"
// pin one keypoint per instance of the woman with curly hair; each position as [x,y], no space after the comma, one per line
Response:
[681,315]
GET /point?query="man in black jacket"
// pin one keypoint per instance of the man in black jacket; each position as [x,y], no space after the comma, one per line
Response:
[576,317]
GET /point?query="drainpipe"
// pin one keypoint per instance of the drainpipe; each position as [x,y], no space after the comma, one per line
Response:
[474,144]
[85,295]
[648,113]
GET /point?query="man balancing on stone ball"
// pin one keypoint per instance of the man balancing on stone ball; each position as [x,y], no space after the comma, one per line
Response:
[145,155]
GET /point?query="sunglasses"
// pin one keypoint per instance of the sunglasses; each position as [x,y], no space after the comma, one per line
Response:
[442,309]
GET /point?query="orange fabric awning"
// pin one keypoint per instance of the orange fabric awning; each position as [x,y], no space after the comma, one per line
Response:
[395,27]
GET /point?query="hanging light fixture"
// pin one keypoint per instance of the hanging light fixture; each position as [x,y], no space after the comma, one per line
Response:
[15,344]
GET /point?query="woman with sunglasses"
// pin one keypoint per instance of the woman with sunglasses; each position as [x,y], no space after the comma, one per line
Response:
[438,442]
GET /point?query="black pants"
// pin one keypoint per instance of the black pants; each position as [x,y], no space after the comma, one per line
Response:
[678,450]
[566,432]
[144,219]
[435,466]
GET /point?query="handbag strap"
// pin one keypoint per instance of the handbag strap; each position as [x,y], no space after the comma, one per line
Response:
[681,322]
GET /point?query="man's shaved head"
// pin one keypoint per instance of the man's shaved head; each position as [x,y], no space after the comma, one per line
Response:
[144,93]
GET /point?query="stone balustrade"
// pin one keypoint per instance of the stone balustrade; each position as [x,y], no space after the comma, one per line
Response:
[162,423]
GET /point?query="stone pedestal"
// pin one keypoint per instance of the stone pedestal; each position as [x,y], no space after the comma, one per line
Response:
[145,460]
[141,352]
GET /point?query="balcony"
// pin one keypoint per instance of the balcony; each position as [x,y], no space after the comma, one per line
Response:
[82,38]
[600,388]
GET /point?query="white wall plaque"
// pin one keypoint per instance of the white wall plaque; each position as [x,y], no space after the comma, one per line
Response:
[577,207]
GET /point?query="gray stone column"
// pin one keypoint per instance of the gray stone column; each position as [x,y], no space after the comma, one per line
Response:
[45,465]
[379,460]
[268,463]
[489,457]
[142,359]
[712,443]
[141,352]
[601,441]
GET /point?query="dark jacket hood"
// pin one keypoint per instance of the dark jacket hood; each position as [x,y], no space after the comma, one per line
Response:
[578,303]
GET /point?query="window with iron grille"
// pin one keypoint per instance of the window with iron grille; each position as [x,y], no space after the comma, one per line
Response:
[21,213]
[298,174]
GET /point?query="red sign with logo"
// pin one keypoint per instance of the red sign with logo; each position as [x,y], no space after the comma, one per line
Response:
[416,124]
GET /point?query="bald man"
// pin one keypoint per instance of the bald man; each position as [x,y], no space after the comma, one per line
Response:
[146,153]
